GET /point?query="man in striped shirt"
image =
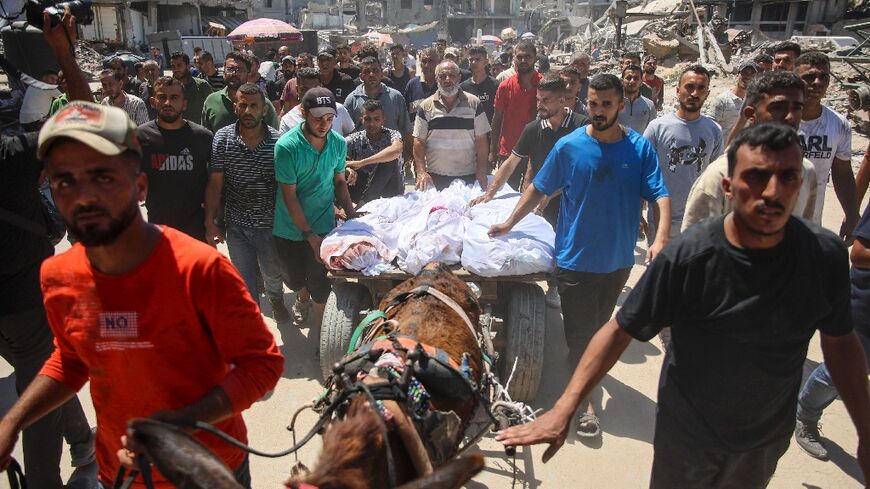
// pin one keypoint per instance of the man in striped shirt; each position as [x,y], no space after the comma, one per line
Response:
[450,134]
[112,82]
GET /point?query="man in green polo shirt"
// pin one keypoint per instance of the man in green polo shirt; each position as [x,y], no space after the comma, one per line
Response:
[196,90]
[309,169]
[218,110]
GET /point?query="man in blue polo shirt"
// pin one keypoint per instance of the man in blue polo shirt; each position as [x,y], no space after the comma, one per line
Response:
[602,170]
[309,169]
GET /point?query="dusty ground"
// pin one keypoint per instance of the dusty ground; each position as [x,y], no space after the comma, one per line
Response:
[620,459]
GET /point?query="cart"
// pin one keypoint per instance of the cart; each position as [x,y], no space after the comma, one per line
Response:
[513,307]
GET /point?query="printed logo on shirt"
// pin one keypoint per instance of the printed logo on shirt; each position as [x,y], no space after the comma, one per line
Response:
[687,155]
[119,324]
[166,162]
[816,146]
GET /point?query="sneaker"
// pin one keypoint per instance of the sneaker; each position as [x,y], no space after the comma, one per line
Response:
[809,438]
[552,298]
[84,477]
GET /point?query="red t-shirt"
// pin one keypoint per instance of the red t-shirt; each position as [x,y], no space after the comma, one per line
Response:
[519,109]
[290,93]
[656,85]
[158,337]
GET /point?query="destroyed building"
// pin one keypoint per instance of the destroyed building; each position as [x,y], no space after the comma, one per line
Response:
[782,19]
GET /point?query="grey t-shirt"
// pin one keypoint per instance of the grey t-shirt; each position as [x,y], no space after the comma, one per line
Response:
[684,148]
[638,114]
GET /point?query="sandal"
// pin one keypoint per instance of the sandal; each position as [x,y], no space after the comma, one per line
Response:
[592,422]
[301,310]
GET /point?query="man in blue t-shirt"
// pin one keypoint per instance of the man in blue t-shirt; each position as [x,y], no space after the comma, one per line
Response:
[601,170]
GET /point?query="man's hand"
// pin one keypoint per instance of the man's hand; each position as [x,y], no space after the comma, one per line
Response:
[847,228]
[499,229]
[653,251]
[551,428]
[315,241]
[493,160]
[353,164]
[62,36]
[424,181]
[214,234]
[350,175]
[130,449]
[8,439]
[480,199]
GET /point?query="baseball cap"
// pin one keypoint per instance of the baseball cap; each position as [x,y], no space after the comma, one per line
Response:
[319,102]
[288,58]
[747,64]
[106,129]
[328,51]
[452,51]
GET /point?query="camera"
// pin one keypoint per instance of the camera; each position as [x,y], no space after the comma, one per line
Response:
[81,9]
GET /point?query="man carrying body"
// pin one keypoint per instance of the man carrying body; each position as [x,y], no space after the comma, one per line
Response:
[653,81]
[175,156]
[725,108]
[639,111]
[158,322]
[219,110]
[450,135]
[242,170]
[196,90]
[112,82]
[337,82]
[309,78]
[373,155]
[480,84]
[685,141]
[514,107]
[744,294]
[598,219]
[774,96]
[309,170]
[827,140]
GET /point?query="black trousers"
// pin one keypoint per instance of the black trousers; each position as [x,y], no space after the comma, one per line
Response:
[301,269]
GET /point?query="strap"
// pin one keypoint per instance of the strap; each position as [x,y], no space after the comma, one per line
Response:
[425,289]
[357,333]
[16,475]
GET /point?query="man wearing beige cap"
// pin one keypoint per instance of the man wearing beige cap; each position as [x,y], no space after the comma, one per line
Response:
[159,323]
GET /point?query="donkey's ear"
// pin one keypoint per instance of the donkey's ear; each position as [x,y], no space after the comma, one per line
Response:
[451,475]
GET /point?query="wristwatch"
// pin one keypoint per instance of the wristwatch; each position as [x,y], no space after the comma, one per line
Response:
[307,234]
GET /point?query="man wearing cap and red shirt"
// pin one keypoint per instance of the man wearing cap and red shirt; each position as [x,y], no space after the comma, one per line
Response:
[309,168]
[514,107]
[337,82]
[159,323]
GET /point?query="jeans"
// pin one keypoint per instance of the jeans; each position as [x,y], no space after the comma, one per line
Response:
[26,342]
[253,247]
[819,390]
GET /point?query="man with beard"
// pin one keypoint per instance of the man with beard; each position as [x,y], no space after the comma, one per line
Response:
[653,81]
[764,62]
[209,72]
[373,156]
[639,111]
[345,64]
[745,293]
[514,107]
[480,84]
[146,88]
[112,82]
[309,78]
[773,96]
[725,107]
[309,169]
[196,90]
[175,155]
[393,104]
[242,176]
[581,63]
[602,170]
[686,142]
[450,135]
[399,74]
[274,89]
[423,85]
[633,59]
[337,82]
[826,137]
[218,110]
[158,322]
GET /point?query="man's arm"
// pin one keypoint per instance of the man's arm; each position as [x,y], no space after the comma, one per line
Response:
[495,135]
[862,180]
[481,144]
[62,38]
[342,195]
[424,181]
[42,396]
[386,155]
[501,177]
[846,362]
[844,185]
[213,191]
[530,198]
[604,350]
[294,208]
[662,214]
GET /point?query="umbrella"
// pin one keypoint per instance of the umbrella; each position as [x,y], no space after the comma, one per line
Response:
[264,30]
[527,35]
[379,38]
[490,40]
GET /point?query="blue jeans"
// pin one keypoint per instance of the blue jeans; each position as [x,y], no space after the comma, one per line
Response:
[819,390]
[251,248]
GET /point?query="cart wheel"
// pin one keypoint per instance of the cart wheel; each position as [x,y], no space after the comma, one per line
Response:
[340,317]
[525,328]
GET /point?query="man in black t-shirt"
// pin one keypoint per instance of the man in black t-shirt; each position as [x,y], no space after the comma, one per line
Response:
[345,64]
[744,295]
[481,84]
[337,82]
[175,156]
[399,74]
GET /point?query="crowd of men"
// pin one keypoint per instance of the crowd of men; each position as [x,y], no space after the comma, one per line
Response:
[265,155]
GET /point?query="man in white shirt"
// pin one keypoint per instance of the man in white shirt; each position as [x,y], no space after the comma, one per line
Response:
[306,79]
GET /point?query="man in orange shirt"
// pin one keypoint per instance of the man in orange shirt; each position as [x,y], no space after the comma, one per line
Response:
[159,323]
